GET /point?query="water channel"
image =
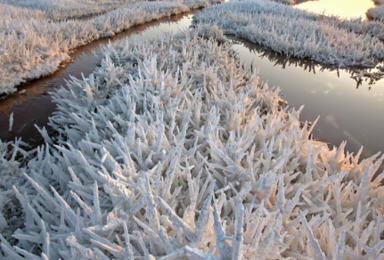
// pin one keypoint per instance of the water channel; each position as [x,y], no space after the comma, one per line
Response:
[348,111]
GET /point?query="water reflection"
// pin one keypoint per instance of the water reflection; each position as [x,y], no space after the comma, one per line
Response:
[32,104]
[349,110]
[342,8]
[360,76]
[346,112]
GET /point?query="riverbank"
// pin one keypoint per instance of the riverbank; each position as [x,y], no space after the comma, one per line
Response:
[33,47]
[297,33]
[32,104]
[171,149]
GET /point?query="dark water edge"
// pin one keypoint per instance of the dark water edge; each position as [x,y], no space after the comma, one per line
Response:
[348,110]
[32,103]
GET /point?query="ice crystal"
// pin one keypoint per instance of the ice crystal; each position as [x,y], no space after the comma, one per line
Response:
[298,33]
[33,44]
[376,13]
[170,150]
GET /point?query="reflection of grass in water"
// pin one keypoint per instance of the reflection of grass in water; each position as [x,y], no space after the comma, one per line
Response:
[360,75]
[51,41]
[38,86]
[313,67]
[93,47]
[297,33]
[38,89]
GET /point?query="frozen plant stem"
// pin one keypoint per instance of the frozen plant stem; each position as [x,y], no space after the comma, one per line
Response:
[170,150]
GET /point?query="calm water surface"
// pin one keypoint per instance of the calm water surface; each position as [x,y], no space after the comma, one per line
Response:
[347,112]
[341,8]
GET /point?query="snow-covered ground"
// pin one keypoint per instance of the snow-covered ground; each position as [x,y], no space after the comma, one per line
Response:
[33,45]
[298,33]
[170,150]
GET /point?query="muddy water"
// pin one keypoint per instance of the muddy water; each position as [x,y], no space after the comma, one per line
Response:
[347,111]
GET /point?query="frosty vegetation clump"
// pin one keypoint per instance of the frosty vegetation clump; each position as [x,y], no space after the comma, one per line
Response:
[297,33]
[170,150]
[376,13]
[32,45]
[58,10]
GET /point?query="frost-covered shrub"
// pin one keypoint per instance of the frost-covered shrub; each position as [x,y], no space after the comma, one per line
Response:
[376,13]
[31,47]
[359,26]
[297,33]
[170,150]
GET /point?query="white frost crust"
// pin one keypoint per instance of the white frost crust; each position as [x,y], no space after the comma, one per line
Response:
[298,33]
[290,2]
[11,172]
[59,10]
[32,45]
[376,13]
[170,150]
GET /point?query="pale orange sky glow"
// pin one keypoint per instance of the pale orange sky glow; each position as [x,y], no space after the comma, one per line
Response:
[342,8]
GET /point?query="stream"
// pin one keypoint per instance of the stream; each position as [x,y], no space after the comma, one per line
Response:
[32,103]
[348,110]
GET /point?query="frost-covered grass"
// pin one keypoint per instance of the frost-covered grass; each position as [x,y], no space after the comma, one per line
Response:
[370,75]
[170,150]
[32,46]
[12,160]
[297,33]
[58,10]
[376,13]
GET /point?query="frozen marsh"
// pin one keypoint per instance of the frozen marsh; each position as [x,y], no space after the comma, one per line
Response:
[301,34]
[33,43]
[170,150]
[32,104]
